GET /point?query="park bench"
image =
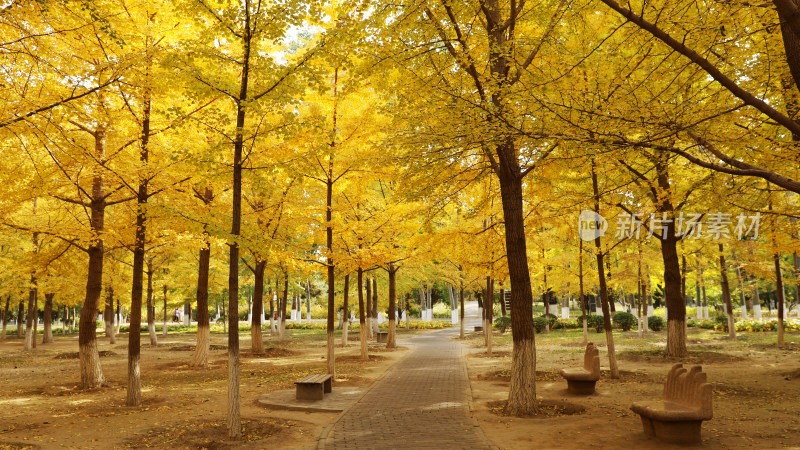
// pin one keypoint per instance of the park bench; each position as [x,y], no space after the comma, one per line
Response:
[686,404]
[313,387]
[478,328]
[382,336]
[581,380]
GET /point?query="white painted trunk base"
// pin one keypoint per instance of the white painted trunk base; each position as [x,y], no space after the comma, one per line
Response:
[454,316]
[757,311]
[565,312]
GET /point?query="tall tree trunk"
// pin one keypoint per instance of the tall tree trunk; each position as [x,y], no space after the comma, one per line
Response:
[200,358]
[89,359]
[780,295]
[134,388]
[726,293]
[151,307]
[118,316]
[612,356]
[345,309]
[30,338]
[166,314]
[489,312]
[375,327]
[390,337]
[108,315]
[272,299]
[20,315]
[675,303]
[48,318]
[234,412]
[742,298]
[368,307]
[522,391]
[756,299]
[331,357]
[256,339]
[282,306]
[5,318]
[362,322]
[461,300]
[503,302]
[583,298]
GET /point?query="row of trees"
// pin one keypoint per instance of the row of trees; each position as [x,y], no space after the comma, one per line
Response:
[429,139]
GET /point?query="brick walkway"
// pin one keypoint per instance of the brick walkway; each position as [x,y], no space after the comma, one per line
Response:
[422,402]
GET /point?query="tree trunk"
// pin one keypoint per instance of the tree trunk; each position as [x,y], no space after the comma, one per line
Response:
[118,316]
[390,337]
[257,342]
[151,307]
[108,315]
[345,310]
[166,324]
[461,300]
[5,318]
[583,298]
[780,295]
[331,357]
[726,293]
[234,412]
[30,338]
[408,313]
[489,312]
[362,322]
[20,315]
[742,298]
[282,305]
[48,318]
[200,358]
[503,302]
[675,303]
[187,313]
[272,298]
[522,390]
[604,301]
[368,307]
[375,324]
[134,388]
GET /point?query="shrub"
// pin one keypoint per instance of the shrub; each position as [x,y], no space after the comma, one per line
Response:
[704,323]
[596,322]
[655,323]
[441,311]
[552,318]
[502,323]
[625,320]
[721,322]
[539,324]
[566,323]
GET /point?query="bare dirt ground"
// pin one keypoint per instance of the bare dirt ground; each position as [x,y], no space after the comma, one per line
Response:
[755,385]
[42,407]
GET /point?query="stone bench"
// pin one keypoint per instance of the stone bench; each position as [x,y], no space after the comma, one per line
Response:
[313,387]
[382,337]
[582,380]
[686,404]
